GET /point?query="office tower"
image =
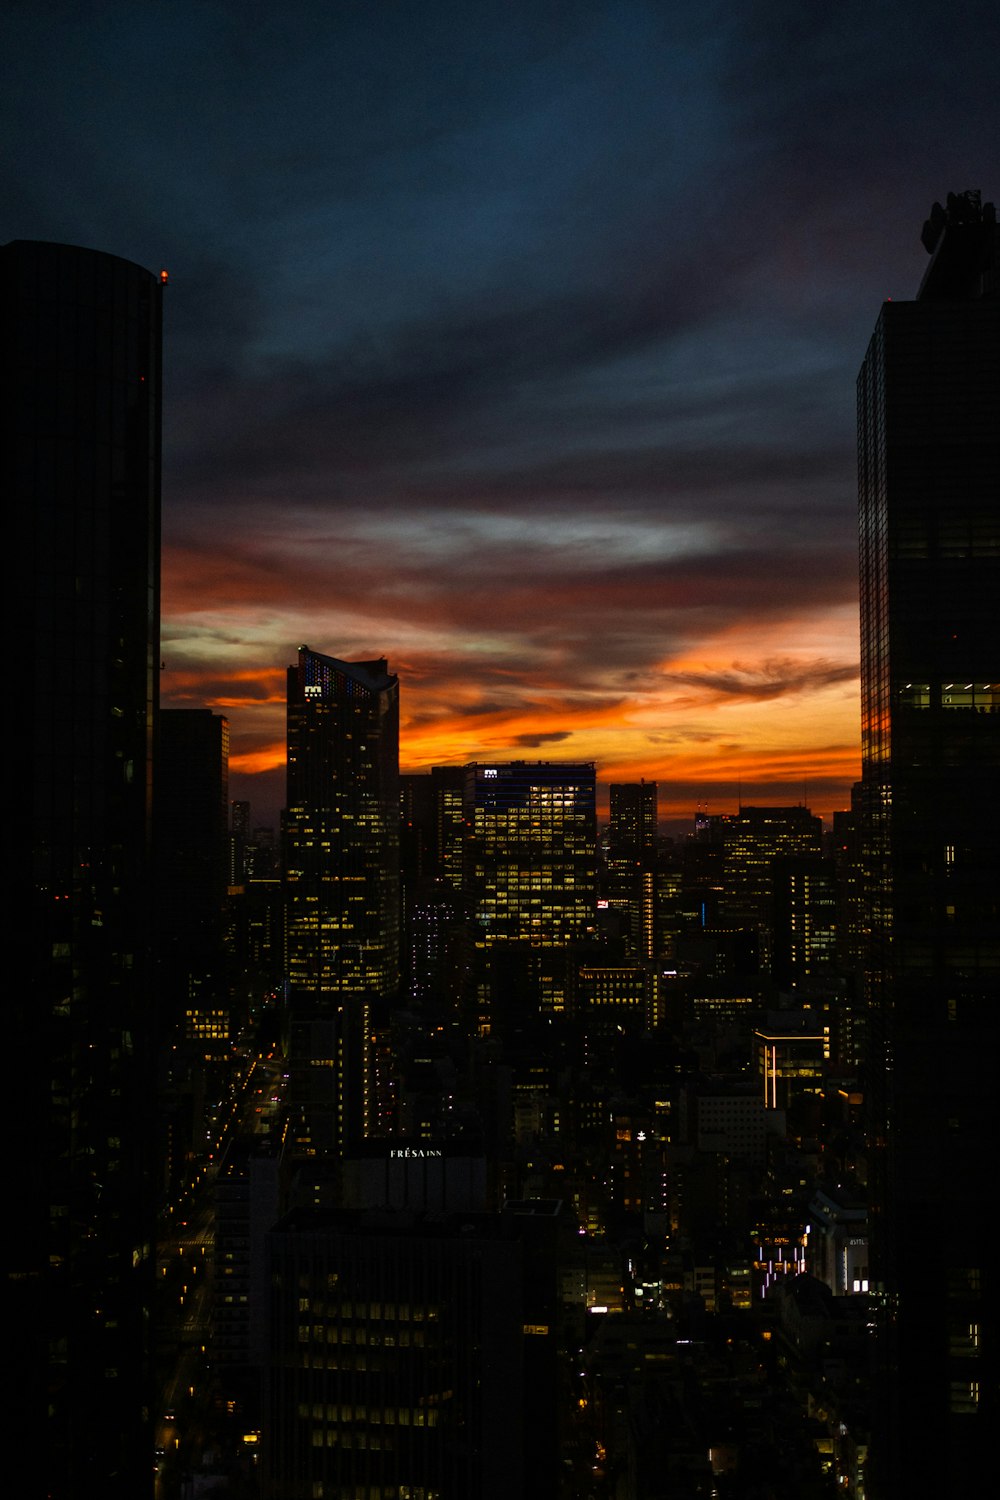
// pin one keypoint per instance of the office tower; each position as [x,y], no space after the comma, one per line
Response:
[341,884]
[193,997]
[447,783]
[530,886]
[81,474]
[753,840]
[929,461]
[434,934]
[239,840]
[415,1354]
[631,860]
[191,808]
[633,826]
[847,852]
[433,824]
[530,852]
[250,1195]
[804,894]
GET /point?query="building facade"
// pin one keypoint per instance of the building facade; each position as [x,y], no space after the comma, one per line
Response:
[191,809]
[341,884]
[414,1356]
[530,852]
[630,863]
[929,461]
[81,480]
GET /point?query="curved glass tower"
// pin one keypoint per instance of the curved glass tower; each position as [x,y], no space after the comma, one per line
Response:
[81,481]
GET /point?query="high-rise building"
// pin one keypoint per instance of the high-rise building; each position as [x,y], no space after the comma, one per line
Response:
[239,840]
[633,826]
[192,844]
[341,883]
[530,856]
[753,840]
[929,469]
[804,925]
[432,834]
[630,863]
[530,884]
[433,823]
[80,451]
[416,1354]
[249,1193]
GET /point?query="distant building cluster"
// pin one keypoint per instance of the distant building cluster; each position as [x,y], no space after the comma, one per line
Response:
[443,1143]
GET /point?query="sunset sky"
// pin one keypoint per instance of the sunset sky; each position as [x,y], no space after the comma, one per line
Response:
[515,343]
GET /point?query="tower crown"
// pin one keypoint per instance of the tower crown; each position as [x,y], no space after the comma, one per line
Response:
[964,245]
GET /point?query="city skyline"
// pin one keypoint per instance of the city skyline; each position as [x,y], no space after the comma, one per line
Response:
[518,349]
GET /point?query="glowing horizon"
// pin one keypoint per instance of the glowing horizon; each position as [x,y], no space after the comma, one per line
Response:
[708,724]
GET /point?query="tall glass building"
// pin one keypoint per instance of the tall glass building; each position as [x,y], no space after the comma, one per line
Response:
[929,476]
[80,455]
[341,883]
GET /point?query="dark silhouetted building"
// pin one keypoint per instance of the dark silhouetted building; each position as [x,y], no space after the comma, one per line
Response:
[192,854]
[929,474]
[239,841]
[804,923]
[630,880]
[414,1354]
[633,825]
[753,840]
[341,884]
[249,1192]
[432,836]
[81,484]
[433,823]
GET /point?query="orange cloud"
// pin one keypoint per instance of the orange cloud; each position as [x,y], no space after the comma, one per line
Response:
[648,675]
[256,762]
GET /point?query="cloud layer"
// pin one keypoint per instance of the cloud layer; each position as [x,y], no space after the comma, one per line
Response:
[516,344]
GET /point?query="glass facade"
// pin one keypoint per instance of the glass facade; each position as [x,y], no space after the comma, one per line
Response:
[929,474]
[81,481]
[531,852]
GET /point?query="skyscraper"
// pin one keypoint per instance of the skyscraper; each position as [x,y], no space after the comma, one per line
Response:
[192,845]
[342,883]
[415,1354]
[634,825]
[531,852]
[530,885]
[630,865]
[752,840]
[929,468]
[81,481]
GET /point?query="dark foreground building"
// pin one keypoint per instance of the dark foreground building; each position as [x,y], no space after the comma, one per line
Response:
[929,470]
[80,478]
[414,1355]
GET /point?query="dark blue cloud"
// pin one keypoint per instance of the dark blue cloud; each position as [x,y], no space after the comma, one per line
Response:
[409,215]
[602,259]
